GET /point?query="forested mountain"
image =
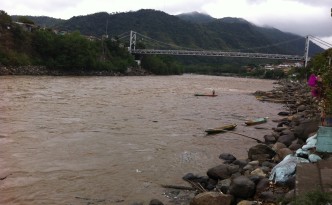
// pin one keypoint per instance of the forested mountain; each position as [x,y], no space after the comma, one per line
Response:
[196,17]
[191,31]
[42,21]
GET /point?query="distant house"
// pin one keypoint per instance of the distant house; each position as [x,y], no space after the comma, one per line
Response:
[60,32]
[91,38]
[298,65]
[27,26]
[268,67]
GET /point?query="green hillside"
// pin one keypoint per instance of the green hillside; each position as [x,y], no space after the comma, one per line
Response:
[191,31]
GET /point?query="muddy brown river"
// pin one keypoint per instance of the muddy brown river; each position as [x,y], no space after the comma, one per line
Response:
[115,140]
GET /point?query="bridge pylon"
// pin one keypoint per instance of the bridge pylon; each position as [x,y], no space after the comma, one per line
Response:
[132,41]
[306,51]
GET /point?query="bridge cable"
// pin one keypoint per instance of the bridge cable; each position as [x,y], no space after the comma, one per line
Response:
[267,46]
[161,41]
[321,41]
[123,35]
[233,50]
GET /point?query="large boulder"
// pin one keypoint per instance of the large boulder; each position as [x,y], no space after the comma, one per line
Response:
[242,187]
[262,185]
[212,198]
[305,128]
[282,153]
[228,158]
[155,202]
[260,152]
[287,139]
[278,145]
[269,139]
[222,171]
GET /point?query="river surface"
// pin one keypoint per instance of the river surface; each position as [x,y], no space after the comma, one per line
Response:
[115,140]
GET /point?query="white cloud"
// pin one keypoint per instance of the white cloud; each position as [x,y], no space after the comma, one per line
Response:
[301,17]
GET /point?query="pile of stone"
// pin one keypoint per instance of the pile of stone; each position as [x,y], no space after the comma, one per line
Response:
[268,174]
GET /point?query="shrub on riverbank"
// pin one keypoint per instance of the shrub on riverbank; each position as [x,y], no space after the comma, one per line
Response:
[315,197]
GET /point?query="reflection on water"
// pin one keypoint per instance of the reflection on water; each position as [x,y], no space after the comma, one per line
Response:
[114,140]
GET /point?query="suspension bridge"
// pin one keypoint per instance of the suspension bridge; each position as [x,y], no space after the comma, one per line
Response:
[191,52]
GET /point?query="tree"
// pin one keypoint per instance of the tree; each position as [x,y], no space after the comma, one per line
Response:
[24,19]
[5,19]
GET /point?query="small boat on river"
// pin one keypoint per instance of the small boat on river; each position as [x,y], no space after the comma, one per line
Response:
[256,121]
[224,128]
[208,95]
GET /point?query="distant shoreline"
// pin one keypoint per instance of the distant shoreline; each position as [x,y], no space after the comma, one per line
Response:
[42,70]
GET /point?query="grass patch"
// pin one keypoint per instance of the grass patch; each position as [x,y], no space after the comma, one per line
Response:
[316,197]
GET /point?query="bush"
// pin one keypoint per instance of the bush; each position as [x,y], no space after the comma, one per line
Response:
[316,197]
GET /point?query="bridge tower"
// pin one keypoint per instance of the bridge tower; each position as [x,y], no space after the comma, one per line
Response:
[132,41]
[306,51]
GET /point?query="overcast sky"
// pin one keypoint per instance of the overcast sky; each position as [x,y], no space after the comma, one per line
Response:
[302,17]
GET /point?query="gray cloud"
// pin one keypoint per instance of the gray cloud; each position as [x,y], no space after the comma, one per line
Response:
[315,3]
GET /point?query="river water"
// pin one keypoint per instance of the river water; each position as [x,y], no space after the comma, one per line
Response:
[115,140]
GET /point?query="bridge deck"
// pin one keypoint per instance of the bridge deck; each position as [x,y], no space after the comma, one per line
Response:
[217,53]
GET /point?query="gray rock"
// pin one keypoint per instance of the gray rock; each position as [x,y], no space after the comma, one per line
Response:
[255,152]
[258,172]
[248,167]
[254,163]
[269,139]
[268,196]
[255,178]
[305,128]
[282,153]
[287,139]
[278,145]
[312,137]
[268,164]
[155,202]
[212,198]
[265,169]
[301,108]
[294,146]
[229,158]
[286,132]
[245,202]
[308,146]
[223,185]
[302,153]
[223,171]
[262,185]
[311,141]
[242,187]
[241,162]
[314,158]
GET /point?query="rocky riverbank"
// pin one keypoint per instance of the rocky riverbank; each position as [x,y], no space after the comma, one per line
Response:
[42,70]
[267,176]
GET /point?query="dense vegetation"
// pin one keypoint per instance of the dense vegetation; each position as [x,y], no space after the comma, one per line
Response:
[75,52]
[68,53]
